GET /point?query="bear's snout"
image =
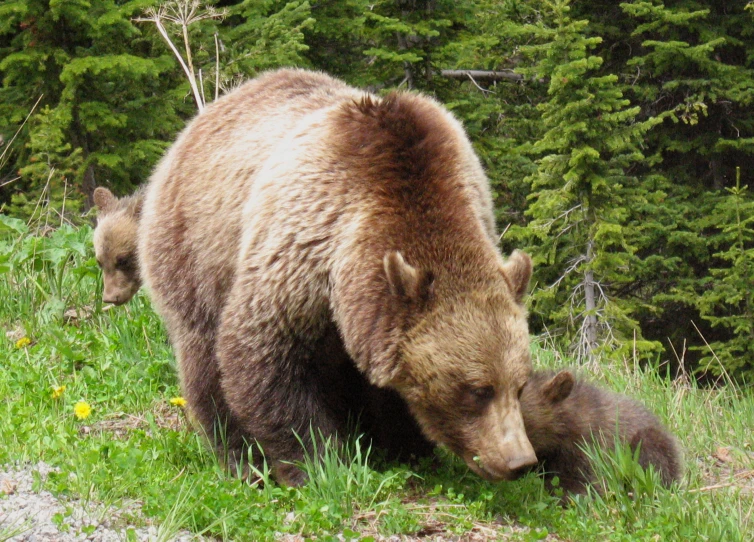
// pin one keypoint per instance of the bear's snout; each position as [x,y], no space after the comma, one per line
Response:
[507,468]
[505,452]
[117,296]
[119,287]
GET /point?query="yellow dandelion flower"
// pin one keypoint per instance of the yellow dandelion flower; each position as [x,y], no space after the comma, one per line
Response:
[178,401]
[82,410]
[22,342]
[57,391]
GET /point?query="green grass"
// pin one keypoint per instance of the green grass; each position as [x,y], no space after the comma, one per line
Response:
[135,446]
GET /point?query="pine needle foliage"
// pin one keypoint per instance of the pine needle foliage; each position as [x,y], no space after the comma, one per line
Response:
[583,192]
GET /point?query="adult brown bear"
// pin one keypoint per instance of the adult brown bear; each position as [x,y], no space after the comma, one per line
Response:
[297,210]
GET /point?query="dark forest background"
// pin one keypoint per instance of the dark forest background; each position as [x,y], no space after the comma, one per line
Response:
[618,137]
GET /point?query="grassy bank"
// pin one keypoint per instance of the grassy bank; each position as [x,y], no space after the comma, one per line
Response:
[59,348]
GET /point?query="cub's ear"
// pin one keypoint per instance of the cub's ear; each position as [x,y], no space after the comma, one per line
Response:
[559,387]
[406,281]
[136,205]
[104,199]
[517,272]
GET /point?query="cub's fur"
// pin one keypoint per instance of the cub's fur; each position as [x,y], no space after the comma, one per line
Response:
[115,244]
[297,207]
[562,415]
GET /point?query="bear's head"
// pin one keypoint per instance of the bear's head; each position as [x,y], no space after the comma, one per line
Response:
[463,363]
[115,244]
[542,407]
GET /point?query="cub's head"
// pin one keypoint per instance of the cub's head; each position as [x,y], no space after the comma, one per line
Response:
[115,244]
[541,405]
[463,364]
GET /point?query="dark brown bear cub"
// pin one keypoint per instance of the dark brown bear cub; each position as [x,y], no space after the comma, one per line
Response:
[562,414]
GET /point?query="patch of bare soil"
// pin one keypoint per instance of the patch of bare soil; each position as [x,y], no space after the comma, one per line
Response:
[727,467]
[440,524]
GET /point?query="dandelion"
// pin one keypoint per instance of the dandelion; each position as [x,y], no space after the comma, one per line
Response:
[178,401]
[57,391]
[82,410]
[22,342]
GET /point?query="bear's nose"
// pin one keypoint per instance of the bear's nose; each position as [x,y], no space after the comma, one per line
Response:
[520,465]
[109,297]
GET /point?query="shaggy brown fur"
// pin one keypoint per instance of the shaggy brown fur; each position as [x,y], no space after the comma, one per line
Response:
[297,207]
[562,414]
[382,415]
[115,244]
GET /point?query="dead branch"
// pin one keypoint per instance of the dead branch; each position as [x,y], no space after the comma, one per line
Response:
[183,13]
[483,75]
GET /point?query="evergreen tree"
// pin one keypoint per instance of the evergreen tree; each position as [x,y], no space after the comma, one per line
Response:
[582,193]
[725,297]
[688,66]
[107,108]
[265,35]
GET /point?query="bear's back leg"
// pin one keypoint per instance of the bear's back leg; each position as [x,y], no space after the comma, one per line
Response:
[200,385]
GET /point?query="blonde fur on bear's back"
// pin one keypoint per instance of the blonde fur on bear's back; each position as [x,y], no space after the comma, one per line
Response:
[223,156]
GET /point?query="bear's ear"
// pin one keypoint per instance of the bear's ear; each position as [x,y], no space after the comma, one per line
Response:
[104,199]
[406,281]
[559,387]
[517,272]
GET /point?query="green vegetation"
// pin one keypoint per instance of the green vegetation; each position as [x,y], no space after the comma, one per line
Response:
[59,348]
[618,138]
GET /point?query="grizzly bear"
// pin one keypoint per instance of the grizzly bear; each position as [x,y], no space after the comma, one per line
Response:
[115,244]
[296,208]
[562,415]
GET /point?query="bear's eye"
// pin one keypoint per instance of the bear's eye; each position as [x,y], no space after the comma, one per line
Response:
[484,394]
[124,263]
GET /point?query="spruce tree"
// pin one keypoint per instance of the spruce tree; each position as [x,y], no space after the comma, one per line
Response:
[106,111]
[583,192]
[688,66]
[725,297]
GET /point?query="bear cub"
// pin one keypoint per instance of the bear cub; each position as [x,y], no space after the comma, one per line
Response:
[115,240]
[562,414]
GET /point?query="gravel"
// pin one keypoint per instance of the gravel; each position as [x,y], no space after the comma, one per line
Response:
[38,516]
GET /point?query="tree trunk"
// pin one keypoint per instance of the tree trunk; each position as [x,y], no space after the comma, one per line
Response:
[87,187]
[590,301]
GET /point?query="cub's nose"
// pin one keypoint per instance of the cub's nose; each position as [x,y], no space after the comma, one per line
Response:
[109,297]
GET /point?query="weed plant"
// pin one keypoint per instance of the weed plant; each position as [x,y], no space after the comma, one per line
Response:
[60,347]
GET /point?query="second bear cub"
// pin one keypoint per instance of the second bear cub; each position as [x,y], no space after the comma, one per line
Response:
[562,414]
[115,244]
